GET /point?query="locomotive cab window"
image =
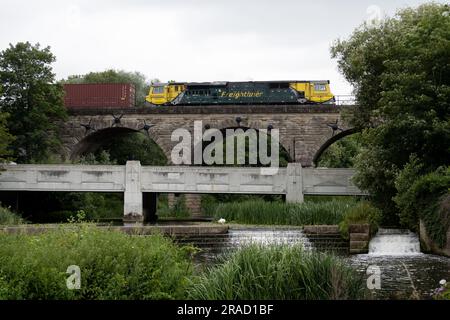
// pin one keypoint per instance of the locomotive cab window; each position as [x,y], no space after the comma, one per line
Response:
[158,90]
[278,85]
[320,87]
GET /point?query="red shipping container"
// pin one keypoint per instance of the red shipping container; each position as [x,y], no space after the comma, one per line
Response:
[99,95]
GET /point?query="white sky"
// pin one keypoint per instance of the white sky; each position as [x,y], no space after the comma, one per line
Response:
[193,40]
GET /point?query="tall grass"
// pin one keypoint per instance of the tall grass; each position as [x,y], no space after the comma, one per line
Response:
[278,272]
[113,265]
[7,217]
[362,213]
[280,213]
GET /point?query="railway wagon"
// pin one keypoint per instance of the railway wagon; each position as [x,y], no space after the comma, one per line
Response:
[99,95]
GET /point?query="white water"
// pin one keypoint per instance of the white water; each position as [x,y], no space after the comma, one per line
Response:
[394,242]
[267,236]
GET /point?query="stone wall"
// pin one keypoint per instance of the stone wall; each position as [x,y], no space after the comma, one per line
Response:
[359,238]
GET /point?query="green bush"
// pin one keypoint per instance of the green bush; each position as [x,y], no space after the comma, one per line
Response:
[179,210]
[427,199]
[362,213]
[113,265]
[405,201]
[280,213]
[277,272]
[7,217]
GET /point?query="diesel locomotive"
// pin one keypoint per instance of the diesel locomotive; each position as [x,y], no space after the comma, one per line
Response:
[250,92]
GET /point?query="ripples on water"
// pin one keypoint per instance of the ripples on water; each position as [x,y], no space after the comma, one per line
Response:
[404,277]
[411,275]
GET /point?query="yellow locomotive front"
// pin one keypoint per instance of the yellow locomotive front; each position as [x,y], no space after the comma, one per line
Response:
[313,91]
[164,93]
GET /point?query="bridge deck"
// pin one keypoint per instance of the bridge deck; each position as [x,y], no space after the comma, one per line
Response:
[134,181]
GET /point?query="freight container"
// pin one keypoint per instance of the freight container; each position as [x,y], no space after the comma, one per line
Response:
[99,95]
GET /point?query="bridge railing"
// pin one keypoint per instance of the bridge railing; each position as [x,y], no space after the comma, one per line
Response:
[135,180]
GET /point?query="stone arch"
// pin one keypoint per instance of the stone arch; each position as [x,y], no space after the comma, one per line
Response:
[332,140]
[232,125]
[94,140]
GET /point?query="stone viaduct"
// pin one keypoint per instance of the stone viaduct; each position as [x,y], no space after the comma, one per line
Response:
[304,131]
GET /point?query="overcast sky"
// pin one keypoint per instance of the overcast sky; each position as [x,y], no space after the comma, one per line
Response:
[193,40]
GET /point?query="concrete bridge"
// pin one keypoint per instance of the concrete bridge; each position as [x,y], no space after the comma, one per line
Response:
[305,131]
[141,184]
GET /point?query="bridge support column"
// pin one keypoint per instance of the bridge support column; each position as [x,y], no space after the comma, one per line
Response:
[132,200]
[294,184]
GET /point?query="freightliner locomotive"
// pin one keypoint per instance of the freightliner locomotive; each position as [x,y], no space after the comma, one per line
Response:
[251,92]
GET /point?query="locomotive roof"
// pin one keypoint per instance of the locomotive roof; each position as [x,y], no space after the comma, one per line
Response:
[224,83]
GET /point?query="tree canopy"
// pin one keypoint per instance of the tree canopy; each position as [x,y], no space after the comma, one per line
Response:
[32,99]
[5,138]
[400,70]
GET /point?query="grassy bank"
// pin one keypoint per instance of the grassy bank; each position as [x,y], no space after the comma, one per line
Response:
[113,265]
[280,213]
[278,272]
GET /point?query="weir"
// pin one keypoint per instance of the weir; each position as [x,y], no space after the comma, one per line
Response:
[394,242]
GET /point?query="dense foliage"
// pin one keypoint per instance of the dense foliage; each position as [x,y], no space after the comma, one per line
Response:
[5,138]
[426,198]
[400,70]
[342,154]
[32,99]
[278,272]
[113,265]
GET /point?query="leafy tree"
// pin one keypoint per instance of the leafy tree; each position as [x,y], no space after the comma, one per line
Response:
[116,76]
[5,138]
[32,100]
[400,70]
[341,154]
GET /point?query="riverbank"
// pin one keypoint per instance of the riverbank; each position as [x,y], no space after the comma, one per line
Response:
[114,265]
[174,229]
